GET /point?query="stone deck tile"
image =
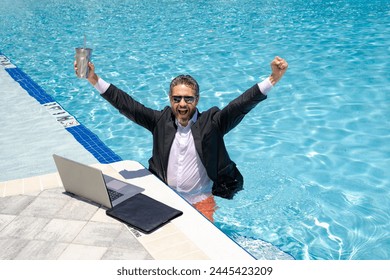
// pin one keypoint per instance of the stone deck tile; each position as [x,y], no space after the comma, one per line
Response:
[24,228]
[98,234]
[126,254]
[77,209]
[59,230]
[5,219]
[41,250]
[10,247]
[46,207]
[83,252]
[13,205]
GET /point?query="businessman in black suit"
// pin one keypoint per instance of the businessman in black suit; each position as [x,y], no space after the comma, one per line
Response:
[189,152]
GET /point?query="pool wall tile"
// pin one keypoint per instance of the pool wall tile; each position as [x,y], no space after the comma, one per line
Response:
[93,144]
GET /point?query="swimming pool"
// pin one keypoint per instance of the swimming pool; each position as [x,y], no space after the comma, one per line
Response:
[314,155]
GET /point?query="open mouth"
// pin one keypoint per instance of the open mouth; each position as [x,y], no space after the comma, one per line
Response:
[182,111]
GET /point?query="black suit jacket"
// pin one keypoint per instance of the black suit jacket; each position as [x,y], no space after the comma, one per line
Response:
[208,132]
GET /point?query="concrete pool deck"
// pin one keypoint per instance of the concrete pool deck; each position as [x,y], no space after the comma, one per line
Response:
[39,221]
[46,223]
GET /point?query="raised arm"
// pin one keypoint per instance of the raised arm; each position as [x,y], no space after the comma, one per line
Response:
[230,116]
[119,99]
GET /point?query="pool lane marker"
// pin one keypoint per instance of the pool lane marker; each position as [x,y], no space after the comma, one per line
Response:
[55,109]
[62,116]
[5,62]
[82,134]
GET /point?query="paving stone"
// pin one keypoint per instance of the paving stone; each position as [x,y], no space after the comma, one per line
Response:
[126,240]
[60,230]
[5,220]
[77,209]
[44,207]
[13,205]
[98,234]
[41,250]
[10,247]
[83,252]
[57,225]
[101,216]
[56,193]
[24,227]
[126,254]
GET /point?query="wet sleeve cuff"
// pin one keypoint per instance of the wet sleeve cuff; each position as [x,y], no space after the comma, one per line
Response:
[101,85]
[265,86]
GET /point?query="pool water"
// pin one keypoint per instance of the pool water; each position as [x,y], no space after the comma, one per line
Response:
[315,155]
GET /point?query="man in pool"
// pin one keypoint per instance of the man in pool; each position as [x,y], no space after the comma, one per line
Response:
[189,152]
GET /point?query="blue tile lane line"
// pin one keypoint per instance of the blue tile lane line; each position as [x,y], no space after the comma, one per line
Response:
[93,144]
[83,135]
[29,85]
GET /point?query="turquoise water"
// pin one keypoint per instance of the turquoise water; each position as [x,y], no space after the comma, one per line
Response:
[314,155]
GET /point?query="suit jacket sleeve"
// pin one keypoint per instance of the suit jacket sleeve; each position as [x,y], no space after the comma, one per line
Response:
[230,116]
[131,108]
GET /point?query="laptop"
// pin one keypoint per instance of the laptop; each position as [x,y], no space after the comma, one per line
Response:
[124,201]
[91,183]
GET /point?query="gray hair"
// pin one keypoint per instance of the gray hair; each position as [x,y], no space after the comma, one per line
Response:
[185,80]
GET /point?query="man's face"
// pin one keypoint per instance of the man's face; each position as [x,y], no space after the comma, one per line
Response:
[183,103]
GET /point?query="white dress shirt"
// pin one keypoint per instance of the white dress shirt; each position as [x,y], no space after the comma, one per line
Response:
[186,173]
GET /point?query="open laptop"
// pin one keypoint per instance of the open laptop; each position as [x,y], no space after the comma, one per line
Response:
[91,183]
[126,202]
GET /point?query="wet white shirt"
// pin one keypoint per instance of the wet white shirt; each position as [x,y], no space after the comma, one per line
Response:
[186,173]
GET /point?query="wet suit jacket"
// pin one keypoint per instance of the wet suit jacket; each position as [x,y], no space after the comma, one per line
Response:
[208,133]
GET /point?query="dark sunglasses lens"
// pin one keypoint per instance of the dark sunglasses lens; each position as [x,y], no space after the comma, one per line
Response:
[176,99]
[187,99]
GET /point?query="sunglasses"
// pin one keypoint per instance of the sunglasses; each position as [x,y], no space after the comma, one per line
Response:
[187,99]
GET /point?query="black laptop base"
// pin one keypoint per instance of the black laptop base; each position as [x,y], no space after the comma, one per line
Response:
[143,213]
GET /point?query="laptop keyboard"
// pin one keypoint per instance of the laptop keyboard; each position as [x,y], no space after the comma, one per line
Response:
[114,194]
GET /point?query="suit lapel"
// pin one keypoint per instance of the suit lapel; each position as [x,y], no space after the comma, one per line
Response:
[168,137]
[196,133]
